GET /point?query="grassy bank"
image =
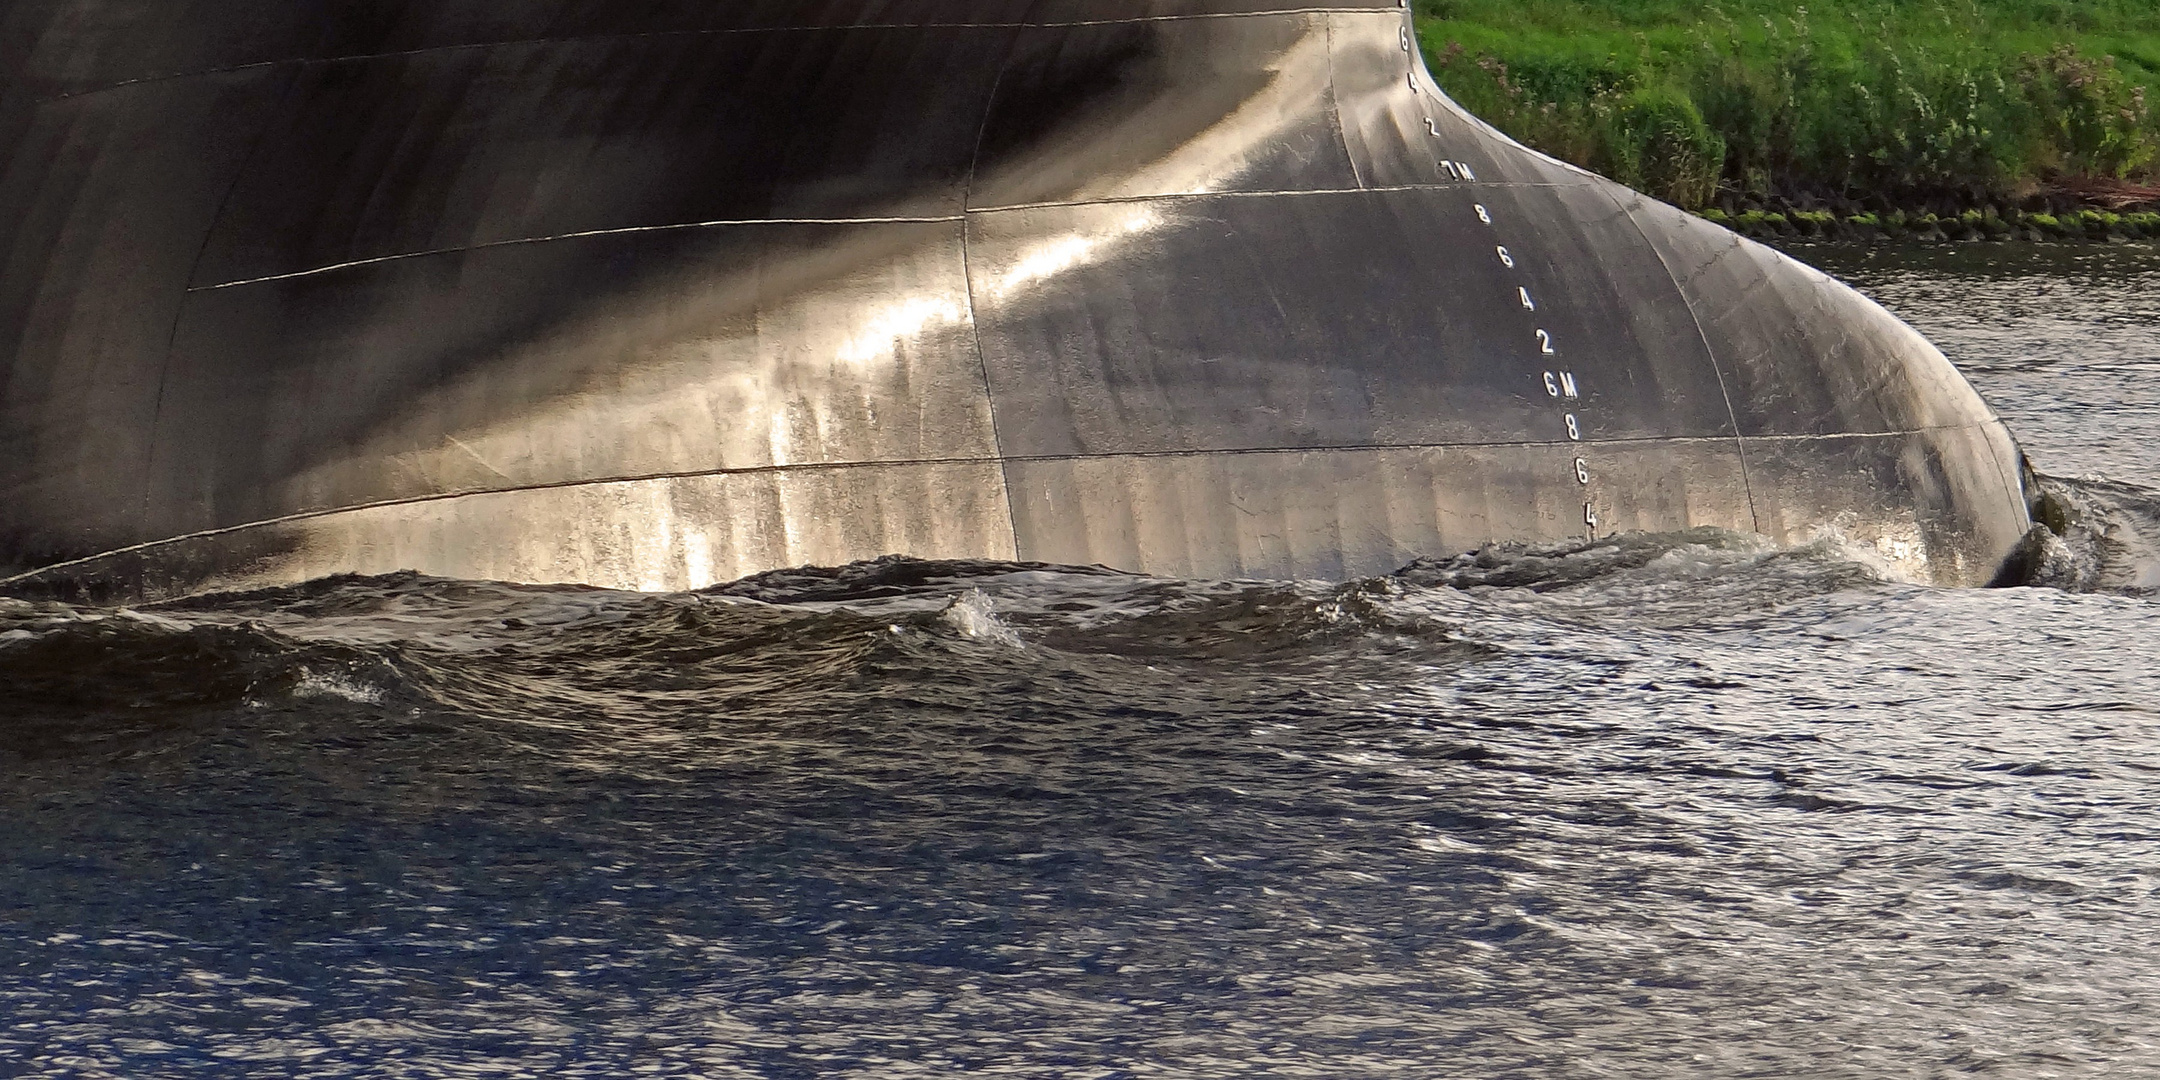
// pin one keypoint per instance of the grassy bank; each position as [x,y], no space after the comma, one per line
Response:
[2000,116]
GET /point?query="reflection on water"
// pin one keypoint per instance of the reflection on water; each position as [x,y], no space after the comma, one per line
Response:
[1661,806]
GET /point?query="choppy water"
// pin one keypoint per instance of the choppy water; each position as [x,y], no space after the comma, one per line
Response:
[1668,806]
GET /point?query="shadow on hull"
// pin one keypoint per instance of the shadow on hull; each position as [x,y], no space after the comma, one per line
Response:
[656,296]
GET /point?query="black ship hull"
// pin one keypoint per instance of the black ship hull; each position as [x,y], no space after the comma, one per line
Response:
[655,296]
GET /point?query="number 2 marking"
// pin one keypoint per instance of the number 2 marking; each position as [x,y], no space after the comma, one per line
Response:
[1544,340]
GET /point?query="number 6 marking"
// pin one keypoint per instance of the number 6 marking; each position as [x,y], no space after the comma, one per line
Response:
[1582,471]
[1506,259]
[1544,340]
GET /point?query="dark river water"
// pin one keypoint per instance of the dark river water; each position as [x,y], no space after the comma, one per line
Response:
[1680,805]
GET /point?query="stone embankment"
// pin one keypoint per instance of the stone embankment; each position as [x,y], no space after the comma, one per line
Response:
[2070,226]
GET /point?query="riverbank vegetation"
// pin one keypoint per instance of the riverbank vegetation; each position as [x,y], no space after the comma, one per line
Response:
[2029,118]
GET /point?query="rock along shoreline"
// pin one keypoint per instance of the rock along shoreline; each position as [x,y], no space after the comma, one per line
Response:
[2073,226]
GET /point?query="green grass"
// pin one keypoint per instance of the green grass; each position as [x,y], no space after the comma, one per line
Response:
[1748,101]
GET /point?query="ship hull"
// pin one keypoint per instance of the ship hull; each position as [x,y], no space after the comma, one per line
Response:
[656,299]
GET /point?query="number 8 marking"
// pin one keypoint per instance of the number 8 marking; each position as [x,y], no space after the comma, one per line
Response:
[1481,214]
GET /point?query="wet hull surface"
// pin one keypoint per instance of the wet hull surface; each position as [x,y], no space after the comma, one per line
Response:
[658,298]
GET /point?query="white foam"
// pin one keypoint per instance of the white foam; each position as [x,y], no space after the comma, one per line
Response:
[336,685]
[973,615]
